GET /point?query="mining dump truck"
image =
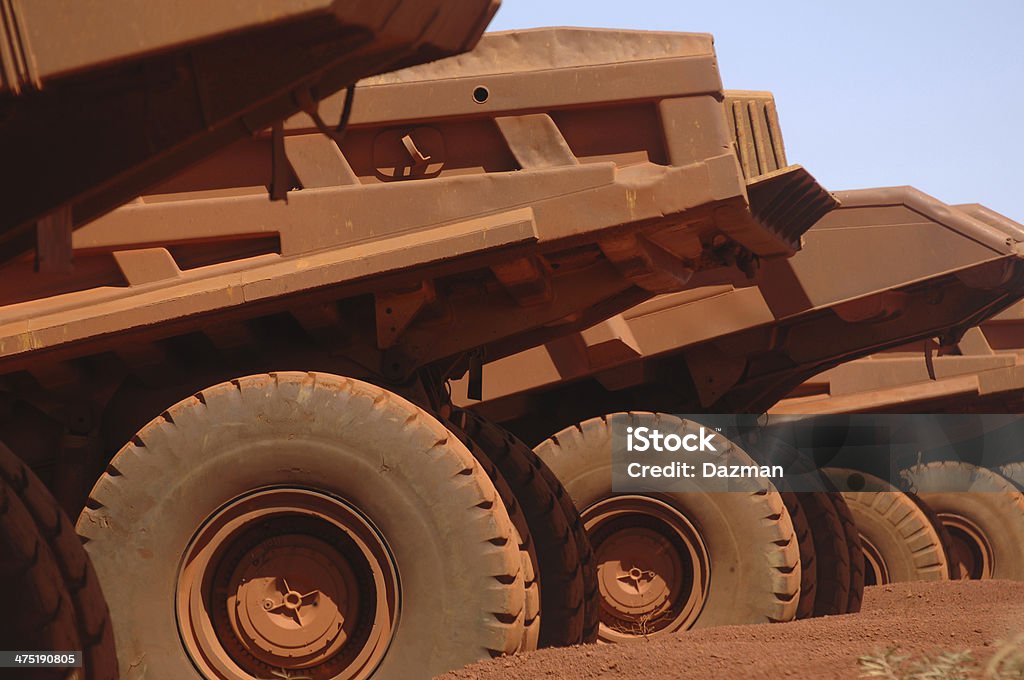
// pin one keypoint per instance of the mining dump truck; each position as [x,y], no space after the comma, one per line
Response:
[889,267]
[126,97]
[98,101]
[977,372]
[256,392]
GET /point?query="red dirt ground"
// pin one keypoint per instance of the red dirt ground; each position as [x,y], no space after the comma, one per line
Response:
[916,617]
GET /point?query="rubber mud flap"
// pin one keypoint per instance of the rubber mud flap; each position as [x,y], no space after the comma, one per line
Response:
[898,539]
[666,544]
[349,527]
[983,513]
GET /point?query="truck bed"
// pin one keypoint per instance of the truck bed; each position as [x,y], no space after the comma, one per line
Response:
[890,267]
[485,203]
[100,100]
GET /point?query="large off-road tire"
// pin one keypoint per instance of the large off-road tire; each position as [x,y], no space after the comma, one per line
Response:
[983,513]
[527,549]
[568,576]
[45,619]
[672,561]
[808,557]
[810,490]
[833,556]
[302,524]
[53,598]
[1015,473]
[956,572]
[854,548]
[897,537]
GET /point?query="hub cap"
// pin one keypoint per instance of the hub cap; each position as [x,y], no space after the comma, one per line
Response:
[287,583]
[653,568]
[970,548]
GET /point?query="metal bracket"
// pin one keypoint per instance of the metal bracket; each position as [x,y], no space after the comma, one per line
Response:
[395,310]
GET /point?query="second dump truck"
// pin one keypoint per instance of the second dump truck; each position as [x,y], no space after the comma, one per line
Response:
[255,392]
[890,268]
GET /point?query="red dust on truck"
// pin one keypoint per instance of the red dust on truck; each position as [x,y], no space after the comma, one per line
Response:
[248,400]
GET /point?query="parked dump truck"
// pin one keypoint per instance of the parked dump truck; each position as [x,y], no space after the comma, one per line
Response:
[977,372]
[152,91]
[295,495]
[889,267]
[861,283]
[97,102]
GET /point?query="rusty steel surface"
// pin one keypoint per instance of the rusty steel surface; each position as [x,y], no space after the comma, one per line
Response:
[100,100]
[982,371]
[889,267]
[494,200]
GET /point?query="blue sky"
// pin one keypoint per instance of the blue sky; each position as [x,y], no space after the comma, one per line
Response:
[929,94]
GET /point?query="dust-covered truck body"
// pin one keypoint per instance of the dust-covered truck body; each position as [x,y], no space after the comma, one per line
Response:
[890,267]
[99,101]
[978,372]
[275,373]
[857,502]
[516,231]
[981,372]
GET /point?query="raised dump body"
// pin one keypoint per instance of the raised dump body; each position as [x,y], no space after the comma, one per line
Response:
[978,372]
[445,223]
[891,266]
[291,358]
[982,372]
[101,100]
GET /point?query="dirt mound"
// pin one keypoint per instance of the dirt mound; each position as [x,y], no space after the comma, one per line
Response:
[916,617]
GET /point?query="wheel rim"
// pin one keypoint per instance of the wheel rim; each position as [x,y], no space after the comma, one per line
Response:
[969,547]
[653,568]
[287,582]
[875,571]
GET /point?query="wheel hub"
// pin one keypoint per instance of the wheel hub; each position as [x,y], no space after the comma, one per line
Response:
[295,597]
[287,583]
[639,571]
[653,568]
[970,547]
